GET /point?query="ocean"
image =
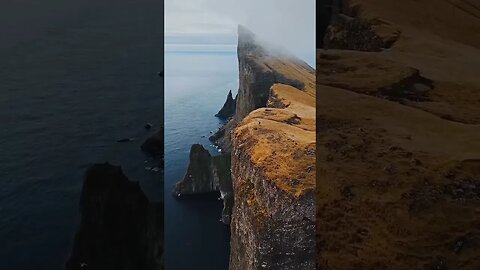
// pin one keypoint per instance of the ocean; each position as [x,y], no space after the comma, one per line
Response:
[75,76]
[199,73]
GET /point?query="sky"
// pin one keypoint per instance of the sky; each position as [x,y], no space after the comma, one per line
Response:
[289,24]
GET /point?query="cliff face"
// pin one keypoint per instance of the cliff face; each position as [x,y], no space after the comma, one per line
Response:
[208,174]
[397,127]
[273,161]
[119,228]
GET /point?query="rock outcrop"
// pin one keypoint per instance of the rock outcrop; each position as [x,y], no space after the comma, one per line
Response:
[228,108]
[153,146]
[208,174]
[119,228]
[272,139]
[398,153]
[346,29]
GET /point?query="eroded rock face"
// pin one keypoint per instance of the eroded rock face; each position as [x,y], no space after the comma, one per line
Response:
[119,228]
[228,108]
[342,27]
[208,174]
[270,229]
[349,33]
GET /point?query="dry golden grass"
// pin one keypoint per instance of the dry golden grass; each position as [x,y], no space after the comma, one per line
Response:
[280,139]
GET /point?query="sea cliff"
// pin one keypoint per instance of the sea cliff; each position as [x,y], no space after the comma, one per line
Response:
[272,142]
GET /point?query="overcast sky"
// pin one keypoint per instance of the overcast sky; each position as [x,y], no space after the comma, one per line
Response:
[287,23]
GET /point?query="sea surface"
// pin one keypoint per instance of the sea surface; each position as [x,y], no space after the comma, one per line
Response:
[199,72]
[75,76]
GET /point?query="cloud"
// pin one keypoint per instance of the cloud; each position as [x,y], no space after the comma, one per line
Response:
[287,23]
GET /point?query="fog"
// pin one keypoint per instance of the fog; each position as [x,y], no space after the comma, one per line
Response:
[285,23]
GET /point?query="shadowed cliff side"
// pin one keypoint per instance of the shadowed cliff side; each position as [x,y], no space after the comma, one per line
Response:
[119,228]
[398,155]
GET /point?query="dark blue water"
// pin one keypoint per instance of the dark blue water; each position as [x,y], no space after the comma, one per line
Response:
[197,80]
[73,79]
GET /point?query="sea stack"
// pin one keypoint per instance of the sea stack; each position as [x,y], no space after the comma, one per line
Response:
[119,227]
[207,174]
[228,108]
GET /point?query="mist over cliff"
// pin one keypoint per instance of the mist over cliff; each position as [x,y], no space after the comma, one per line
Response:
[282,22]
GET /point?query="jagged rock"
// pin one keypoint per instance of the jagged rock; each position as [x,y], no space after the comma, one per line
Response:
[228,108]
[119,228]
[208,174]
[347,33]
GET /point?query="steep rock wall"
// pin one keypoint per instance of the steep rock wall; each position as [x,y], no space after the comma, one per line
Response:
[272,140]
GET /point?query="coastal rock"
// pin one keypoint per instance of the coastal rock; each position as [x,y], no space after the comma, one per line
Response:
[228,108]
[119,228]
[343,27]
[348,33]
[208,174]
[153,146]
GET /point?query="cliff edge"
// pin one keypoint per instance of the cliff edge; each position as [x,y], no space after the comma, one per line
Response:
[272,142]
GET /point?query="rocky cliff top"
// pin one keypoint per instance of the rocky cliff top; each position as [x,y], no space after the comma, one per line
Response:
[279,137]
[272,138]
[398,160]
